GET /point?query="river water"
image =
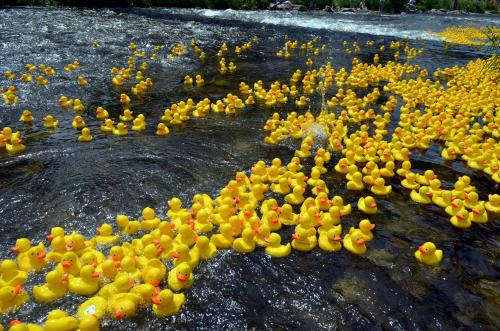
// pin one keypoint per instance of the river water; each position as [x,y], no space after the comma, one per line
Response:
[60,182]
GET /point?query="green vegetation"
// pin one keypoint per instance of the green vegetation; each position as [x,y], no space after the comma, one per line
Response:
[389,5]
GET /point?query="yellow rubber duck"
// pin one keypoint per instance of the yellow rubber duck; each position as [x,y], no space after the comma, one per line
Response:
[58,320]
[58,248]
[366,227]
[85,136]
[367,205]
[356,182]
[50,122]
[297,195]
[127,116]
[78,106]
[96,306]
[16,145]
[124,305]
[88,323]
[87,283]
[199,80]
[34,260]
[101,113]
[26,117]
[303,241]
[162,130]
[105,235]
[204,248]
[410,181]
[149,220]
[329,241]
[167,303]
[127,226]
[379,187]
[55,287]
[180,278]
[275,248]
[461,219]
[183,254]
[355,242]
[493,203]
[423,196]
[139,124]
[70,264]
[12,298]
[428,254]
[225,238]
[454,207]
[108,126]
[478,214]
[245,244]
[122,284]
[10,275]
[120,130]
[405,169]
[17,325]
[188,80]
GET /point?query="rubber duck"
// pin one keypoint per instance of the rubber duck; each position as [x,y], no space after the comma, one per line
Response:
[275,248]
[245,244]
[296,197]
[162,130]
[356,182]
[202,222]
[304,152]
[78,105]
[127,226]
[50,122]
[204,248]
[183,254]
[122,284]
[454,207]
[428,254]
[124,305]
[478,214]
[199,80]
[58,248]
[127,116]
[388,170]
[461,219]
[468,188]
[175,208]
[105,235]
[366,227]
[34,260]
[12,298]
[493,203]
[10,275]
[96,306]
[329,241]
[287,217]
[367,205]
[121,130]
[339,202]
[186,236]
[16,145]
[139,123]
[58,320]
[167,303]
[108,126]
[410,181]
[180,277]
[101,113]
[146,293]
[426,178]
[88,323]
[405,169]
[188,80]
[154,272]
[422,196]
[78,123]
[355,242]
[379,187]
[459,190]
[225,238]
[55,287]
[70,264]
[17,325]
[87,283]
[303,241]
[149,220]
[26,117]
[85,136]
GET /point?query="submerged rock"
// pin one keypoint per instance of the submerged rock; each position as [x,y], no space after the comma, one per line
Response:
[286,5]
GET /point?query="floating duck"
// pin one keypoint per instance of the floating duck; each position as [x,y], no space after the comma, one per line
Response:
[10,275]
[423,196]
[149,220]
[379,188]
[367,205]
[105,235]
[493,203]
[12,298]
[356,182]
[127,226]
[108,126]
[478,214]
[70,264]
[16,145]
[183,254]
[127,116]
[366,227]
[180,277]
[275,248]
[428,254]
[58,320]
[85,136]
[329,241]
[34,260]
[58,248]
[355,242]
[204,248]
[303,241]
[87,283]
[461,219]
[96,306]
[167,303]
[120,130]
[410,181]
[296,197]
[101,113]
[17,325]
[162,130]
[26,117]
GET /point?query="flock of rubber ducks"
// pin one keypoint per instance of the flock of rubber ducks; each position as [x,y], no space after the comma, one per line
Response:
[155,267]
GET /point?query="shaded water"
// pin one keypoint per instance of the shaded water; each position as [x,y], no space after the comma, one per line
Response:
[59,182]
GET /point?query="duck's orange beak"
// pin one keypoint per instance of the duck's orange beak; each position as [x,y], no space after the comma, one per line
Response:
[14,249]
[372,226]
[337,238]
[155,283]
[176,255]
[294,236]
[42,255]
[421,249]
[373,205]
[98,229]
[64,277]
[18,289]
[50,237]
[181,278]
[96,275]
[361,241]
[155,300]
[67,264]
[14,323]
[118,314]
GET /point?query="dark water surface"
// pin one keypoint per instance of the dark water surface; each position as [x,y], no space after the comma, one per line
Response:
[60,182]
